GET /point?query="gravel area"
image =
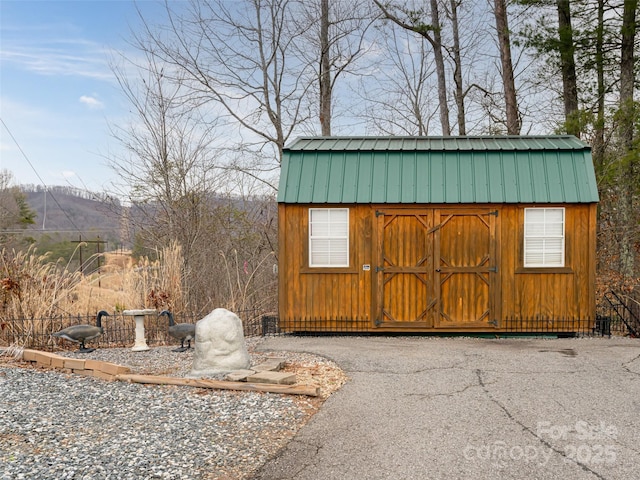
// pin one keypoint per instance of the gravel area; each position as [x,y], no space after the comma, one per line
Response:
[64,426]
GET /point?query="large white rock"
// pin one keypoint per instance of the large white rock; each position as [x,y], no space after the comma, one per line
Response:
[219,346]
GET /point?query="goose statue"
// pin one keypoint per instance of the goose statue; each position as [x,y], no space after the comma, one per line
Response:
[185,332]
[82,333]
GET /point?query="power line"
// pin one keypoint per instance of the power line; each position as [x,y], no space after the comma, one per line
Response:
[39,177]
[22,152]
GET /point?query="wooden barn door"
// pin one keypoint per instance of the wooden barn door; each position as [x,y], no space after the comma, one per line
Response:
[435,268]
[465,252]
[404,273]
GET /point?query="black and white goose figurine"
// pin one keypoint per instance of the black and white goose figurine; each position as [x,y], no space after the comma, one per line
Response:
[82,333]
[185,332]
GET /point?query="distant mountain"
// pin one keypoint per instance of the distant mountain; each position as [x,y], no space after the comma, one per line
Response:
[69,213]
[66,213]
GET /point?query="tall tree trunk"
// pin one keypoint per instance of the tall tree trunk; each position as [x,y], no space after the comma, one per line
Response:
[457,73]
[627,115]
[568,67]
[598,140]
[508,82]
[442,82]
[626,71]
[325,70]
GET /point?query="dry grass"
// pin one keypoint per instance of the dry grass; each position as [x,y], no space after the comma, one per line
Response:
[33,287]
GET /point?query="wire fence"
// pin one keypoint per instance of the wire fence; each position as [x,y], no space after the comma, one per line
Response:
[119,330]
[610,323]
[617,315]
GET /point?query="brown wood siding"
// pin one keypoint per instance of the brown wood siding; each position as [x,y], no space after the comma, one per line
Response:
[335,298]
[427,299]
[551,294]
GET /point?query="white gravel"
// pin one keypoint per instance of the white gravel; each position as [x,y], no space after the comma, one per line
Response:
[63,426]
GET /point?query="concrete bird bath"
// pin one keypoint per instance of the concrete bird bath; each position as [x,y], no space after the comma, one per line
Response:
[138,315]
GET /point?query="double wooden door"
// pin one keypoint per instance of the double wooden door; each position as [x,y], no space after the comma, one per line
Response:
[436,268]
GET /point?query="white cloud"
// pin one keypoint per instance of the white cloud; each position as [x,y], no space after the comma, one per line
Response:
[68,174]
[91,102]
[81,59]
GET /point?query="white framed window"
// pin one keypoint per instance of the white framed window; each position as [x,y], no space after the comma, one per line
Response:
[328,237]
[544,237]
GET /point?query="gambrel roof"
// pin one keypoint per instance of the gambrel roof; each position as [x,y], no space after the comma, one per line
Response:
[406,170]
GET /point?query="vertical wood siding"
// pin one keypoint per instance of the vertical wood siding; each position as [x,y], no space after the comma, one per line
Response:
[319,297]
[566,293]
[477,282]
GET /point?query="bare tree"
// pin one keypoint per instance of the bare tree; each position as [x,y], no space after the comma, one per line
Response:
[508,81]
[168,168]
[413,20]
[458,92]
[397,96]
[333,39]
[236,56]
[325,70]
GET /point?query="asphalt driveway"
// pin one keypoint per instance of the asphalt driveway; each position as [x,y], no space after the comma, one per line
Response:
[463,408]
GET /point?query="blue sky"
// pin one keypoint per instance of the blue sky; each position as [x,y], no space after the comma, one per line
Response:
[57,92]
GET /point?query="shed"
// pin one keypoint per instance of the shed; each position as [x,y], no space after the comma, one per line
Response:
[437,234]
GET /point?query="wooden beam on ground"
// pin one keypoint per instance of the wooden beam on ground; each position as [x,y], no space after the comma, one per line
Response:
[221,385]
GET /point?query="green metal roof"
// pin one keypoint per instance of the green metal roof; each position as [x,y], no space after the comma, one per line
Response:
[508,169]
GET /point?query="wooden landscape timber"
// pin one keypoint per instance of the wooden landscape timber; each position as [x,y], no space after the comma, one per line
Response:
[113,372]
[221,384]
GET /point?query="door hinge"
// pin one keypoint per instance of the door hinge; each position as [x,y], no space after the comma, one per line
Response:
[495,214]
[494,323]
[494,269]
[378,322]
[379,269]
[378,213]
